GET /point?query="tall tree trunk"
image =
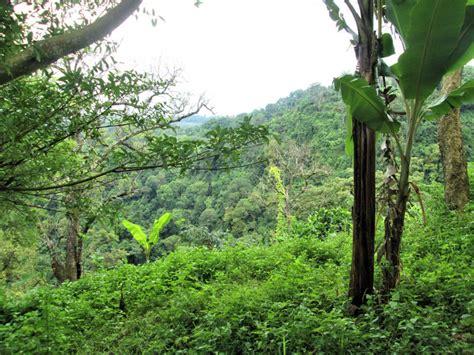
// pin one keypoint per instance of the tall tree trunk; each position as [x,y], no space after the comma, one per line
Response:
[363,213]
[453,158]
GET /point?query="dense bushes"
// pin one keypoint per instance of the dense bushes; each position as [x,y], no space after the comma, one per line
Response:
[287,297]
[324,223]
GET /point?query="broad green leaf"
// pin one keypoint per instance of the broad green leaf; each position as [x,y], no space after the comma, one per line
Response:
[430,39]
[336,15]
[364,103]
[462,95]
[387,48]
[464,50]
[158,227]
[137,233]
[398,12]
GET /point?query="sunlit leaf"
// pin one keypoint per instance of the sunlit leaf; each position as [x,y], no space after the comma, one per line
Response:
[158,227]
[137,233]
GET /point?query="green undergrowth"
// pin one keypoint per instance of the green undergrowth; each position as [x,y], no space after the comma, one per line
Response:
[289,297]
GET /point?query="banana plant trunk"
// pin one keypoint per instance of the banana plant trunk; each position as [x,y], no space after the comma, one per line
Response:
[363,213]
[394,223]
[395,219]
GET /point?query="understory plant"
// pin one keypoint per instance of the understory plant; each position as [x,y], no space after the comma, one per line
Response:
[149,242]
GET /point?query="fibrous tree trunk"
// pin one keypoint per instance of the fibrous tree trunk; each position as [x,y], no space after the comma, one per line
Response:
[453,158]
[394,223]
[363,213]
[395,219]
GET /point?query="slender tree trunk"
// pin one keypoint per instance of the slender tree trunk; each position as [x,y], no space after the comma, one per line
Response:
[394,223]
[363,213]
[58,270]
[57,266]
[453,158]
[73,245]
[79,257]
[395,219]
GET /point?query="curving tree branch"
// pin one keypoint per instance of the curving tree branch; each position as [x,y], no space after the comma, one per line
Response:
[47,51]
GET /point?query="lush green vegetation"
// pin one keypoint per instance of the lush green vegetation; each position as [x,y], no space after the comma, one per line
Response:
[247,238]
[223,287]
[290,296]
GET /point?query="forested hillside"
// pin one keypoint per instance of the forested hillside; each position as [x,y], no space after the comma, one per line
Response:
[130,222]
[230,216]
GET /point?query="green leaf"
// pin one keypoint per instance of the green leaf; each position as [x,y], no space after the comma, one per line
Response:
[387,48]
[430,39]
[364,103]
[137,233]
[336,15]
[462,95]
[398,12]
[464,50]
[158,227]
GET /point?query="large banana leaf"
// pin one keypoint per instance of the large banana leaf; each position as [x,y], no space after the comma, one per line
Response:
[398,13]
[460,96]
[137,233]
[430,38]
[464,50]
[158,227]
[364,103]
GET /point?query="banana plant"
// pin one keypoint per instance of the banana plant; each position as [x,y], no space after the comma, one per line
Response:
[149,242]
[438,38]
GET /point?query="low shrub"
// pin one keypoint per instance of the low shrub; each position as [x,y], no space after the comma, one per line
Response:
[289,297]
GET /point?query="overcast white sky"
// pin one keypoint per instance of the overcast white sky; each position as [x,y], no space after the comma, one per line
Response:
[243,54]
